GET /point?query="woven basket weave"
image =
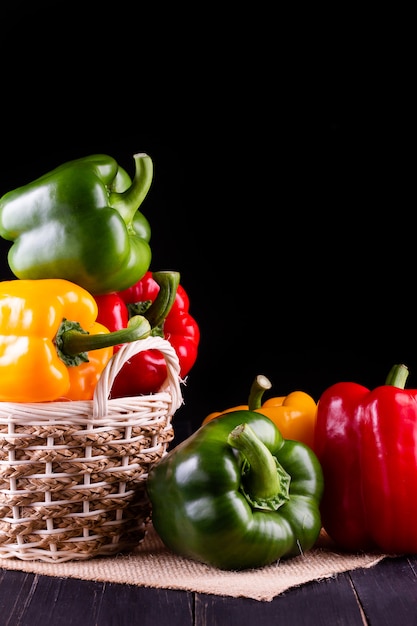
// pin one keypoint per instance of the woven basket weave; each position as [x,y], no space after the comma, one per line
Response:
[73,474]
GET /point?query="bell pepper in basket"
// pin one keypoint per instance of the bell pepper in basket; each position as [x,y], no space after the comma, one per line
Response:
[51,346]
[294,414]
[366,441]
[236,494]
[160,298]
[80,222]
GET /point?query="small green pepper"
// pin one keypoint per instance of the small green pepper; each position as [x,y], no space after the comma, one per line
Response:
[236,495]
[80,222]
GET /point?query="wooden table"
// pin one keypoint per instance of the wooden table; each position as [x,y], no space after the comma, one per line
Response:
[383,594]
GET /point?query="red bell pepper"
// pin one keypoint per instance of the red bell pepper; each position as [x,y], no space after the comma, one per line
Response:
[366,442]
[146,372]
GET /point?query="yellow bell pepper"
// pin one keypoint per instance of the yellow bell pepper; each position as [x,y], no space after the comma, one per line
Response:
[294,414]
[51,347]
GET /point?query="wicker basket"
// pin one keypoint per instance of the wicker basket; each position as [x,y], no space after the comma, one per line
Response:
[73,474]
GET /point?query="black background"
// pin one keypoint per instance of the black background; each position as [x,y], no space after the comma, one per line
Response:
[283,190]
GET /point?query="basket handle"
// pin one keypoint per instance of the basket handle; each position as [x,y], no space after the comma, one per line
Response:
[126,352]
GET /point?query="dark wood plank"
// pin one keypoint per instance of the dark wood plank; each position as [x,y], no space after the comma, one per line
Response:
[15,592]
[388,591]
[129,605]
[32,600]
[319,603]
[413,563]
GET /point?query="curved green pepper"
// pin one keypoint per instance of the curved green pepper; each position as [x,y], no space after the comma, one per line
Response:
[80,222]
[236,495]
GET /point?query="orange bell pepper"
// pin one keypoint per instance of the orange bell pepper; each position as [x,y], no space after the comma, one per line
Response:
[294,414]
[51,346]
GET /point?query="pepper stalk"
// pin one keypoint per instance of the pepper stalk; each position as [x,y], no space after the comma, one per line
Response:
[397,376]
[266,483]
[128,201]
[260,384]
[73,342]
[157,311]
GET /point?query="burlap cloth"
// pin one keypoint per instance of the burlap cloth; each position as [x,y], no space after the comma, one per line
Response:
[152,565]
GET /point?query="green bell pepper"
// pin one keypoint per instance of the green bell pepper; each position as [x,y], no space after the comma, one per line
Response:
[80,222]
[236,495]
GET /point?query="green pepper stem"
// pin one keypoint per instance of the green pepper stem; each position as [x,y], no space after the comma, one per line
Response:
[259,386]
[265,483]
[73,343]
[157,311]
[397,376]
[168,284]
[127,202]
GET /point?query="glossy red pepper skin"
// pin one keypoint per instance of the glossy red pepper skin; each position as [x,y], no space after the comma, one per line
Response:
[366,442]
[146,372]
